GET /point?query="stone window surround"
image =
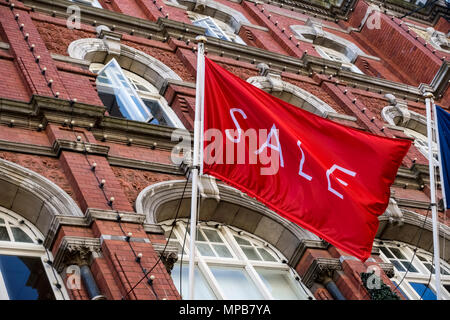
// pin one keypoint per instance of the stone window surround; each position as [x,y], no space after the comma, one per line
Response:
[96,50]
[152,94]
[238,259]
[273,84]
[34,197]
[232,17]
[314,29]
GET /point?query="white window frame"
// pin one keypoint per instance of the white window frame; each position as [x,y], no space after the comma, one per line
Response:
[23,249]
[423,274]
[93,3]
[239,260]
[211,27]
[209,24]
[345,61]
[151,93]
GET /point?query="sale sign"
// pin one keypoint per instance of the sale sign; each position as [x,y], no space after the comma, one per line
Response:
[327,178]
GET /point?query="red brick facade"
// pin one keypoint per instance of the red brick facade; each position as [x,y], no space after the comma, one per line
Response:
[394,61]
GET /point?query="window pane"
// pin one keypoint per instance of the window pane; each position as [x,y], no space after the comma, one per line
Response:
[423,290]
[4,234]
[25,278]
[212,235]
[397,253]
[126,102]
[160,117]
[202,291]
[429,267]
[409,266]
[235,283]
[20,236]
[205,249]
[222,251]
[447,287]
[199,237]
[266,255]
[242,241]
[386,252]
[398,265]
[2,221]
[278,284]
[444,271]
[251,254]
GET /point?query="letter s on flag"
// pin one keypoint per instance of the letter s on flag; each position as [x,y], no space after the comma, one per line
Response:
[338,192]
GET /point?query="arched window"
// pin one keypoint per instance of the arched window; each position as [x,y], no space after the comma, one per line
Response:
[291,94]
[412,123]
[421,143]
[24,274]
[130,96]
[215,27]
[93,3]
[329,45]
[416,270]
[337,56]
[233,264]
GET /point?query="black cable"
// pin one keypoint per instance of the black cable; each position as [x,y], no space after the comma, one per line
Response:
[428,3]
[429,278]
[110,204]
[167,242]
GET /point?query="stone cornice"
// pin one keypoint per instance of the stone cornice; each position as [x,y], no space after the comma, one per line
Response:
[145,165]
[90,216]
[82,147]
[305,245]
[165,29]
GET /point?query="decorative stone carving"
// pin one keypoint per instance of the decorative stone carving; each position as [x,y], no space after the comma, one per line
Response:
[316,26]
[169,254]
[397,112]
[388,268]
[110,39]
[320,268]
[438,39]
[208,187]
[76,251]
[393,212]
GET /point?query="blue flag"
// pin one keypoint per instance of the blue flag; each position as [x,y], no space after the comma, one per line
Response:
[443,120]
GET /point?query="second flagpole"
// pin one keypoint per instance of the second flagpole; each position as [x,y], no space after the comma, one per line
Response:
[197,161]
[428,103]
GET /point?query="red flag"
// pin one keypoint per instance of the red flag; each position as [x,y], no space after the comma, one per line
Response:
[327,178]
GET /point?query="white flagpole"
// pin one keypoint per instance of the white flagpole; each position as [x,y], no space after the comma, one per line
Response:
[437,265]
[196,156]
[441,175]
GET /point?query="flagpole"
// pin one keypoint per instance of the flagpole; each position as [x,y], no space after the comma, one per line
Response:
[441,175]
[199,90]
[437,265]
